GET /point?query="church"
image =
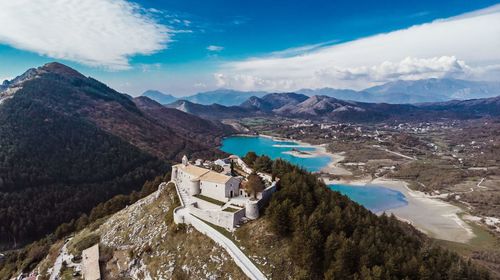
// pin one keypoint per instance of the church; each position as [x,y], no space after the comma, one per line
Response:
[198,180]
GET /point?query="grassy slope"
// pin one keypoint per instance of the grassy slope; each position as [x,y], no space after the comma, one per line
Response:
[144,232]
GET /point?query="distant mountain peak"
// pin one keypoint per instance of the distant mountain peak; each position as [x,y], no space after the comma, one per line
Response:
[160,97]
[226,97]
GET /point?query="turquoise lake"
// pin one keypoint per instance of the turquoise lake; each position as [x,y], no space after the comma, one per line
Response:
[374,198]
[241,145]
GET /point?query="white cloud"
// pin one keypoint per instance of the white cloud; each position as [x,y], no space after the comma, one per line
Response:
[214,48]
[103,33]
[406,69]
[465,46]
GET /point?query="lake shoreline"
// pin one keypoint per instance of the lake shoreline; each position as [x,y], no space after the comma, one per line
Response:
[434,217]
[431,215]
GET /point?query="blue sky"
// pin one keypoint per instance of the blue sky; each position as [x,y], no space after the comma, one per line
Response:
[182,47]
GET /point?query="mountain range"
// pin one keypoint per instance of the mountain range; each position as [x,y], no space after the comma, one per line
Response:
[294,105]
[397,92]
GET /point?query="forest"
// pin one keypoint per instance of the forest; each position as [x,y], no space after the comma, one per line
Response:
[332,237]
[27,258]
[53,167]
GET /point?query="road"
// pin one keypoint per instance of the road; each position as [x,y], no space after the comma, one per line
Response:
[246,265]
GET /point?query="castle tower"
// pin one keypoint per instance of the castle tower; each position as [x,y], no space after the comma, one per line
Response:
[252,209]
[174,174]
[194,187]
[185,160]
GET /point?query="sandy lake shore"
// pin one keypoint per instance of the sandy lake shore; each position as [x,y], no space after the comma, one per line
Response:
[430,215]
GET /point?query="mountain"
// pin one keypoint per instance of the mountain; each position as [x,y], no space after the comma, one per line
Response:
[326,107]
[159,97]
[69,142]
[410,92]
[214,111]
[434,90]
[292,105]
[254,106]
[273,101]
[226,97]
[188,125]
[474,107]
[344,94]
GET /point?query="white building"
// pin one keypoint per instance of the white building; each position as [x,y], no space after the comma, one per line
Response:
[216,197]
[198,180]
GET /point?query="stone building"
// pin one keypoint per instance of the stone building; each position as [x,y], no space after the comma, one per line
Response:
[216,197]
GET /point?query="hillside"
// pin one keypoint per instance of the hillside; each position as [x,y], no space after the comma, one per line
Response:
[214,111]
[479,107]
[141,242]
[72,142]
[202,131]
[273,101]
[307,232]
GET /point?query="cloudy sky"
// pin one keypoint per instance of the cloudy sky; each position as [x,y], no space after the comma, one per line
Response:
[183,47]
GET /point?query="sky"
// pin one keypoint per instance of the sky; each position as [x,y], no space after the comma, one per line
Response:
[184,47]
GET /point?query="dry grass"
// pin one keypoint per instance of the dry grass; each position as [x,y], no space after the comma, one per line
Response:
[49,260]
[268,251]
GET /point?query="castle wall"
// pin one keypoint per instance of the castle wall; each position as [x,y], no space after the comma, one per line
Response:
[218,217]
[202,204]
[266,194]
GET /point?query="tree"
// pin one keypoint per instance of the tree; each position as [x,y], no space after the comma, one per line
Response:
[263,164]
[250,158]
[254,184]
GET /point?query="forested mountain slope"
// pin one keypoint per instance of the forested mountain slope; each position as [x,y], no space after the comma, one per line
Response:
[311,232]
[69,142]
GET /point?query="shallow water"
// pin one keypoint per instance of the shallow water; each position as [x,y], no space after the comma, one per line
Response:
[375,198]
[241,145]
